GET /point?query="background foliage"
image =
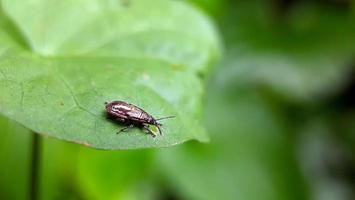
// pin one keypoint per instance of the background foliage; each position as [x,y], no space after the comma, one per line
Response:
[278,106]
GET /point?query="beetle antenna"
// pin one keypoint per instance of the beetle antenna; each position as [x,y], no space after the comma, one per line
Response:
[165,118]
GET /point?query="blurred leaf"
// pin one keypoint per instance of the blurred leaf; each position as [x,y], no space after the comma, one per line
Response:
[15,151]
[215,8]
[69,171]
[146,54]
[58,170]
[327,160]
[250,156]
[345,124]
[165,30]
[303,52]
[112,175]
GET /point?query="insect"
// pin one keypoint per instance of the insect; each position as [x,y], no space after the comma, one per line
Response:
[132,115]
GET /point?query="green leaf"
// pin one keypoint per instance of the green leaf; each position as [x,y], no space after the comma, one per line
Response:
[65,98]
[84,53]
[15,154]
[112,175]
[212,7]
[167,30]
[85,173]
[58,161]
[249,157]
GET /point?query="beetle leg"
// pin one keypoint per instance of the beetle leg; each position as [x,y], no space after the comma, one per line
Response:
[149,131]
[160,132]
[125,128]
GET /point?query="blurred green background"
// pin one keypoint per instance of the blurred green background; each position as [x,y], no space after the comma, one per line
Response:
[279,107]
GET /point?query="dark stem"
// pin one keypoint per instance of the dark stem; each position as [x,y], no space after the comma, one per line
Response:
[35,163]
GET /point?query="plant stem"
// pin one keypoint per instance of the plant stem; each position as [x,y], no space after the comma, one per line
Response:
[35,163]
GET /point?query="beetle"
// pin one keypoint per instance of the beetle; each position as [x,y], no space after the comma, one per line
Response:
[132,115]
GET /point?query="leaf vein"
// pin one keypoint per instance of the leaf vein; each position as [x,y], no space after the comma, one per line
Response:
[72,93]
